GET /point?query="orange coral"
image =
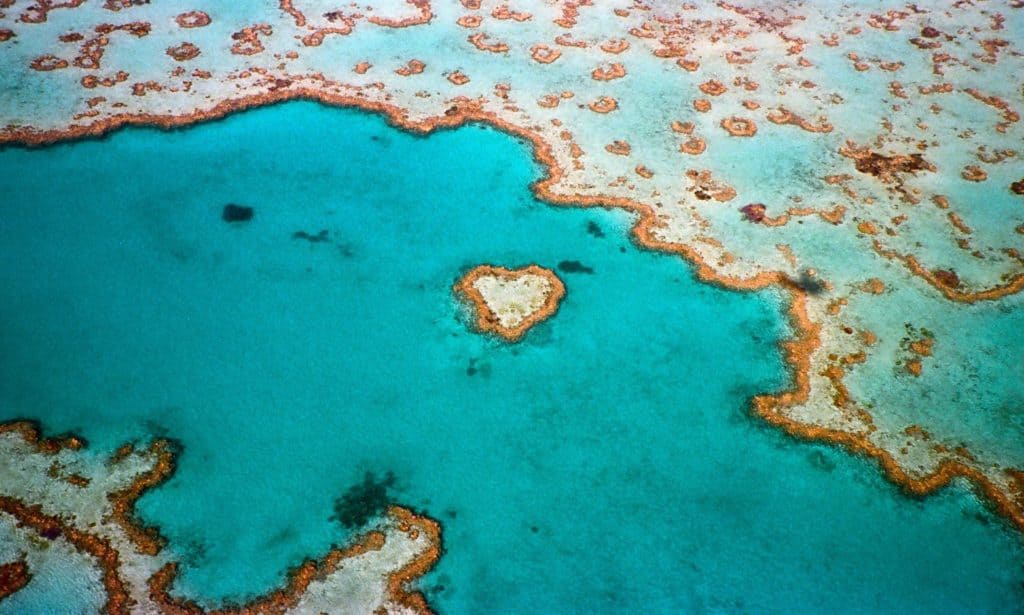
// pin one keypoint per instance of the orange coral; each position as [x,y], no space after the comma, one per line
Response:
[739,126]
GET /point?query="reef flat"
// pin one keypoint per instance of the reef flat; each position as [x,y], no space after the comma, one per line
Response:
[508,302]
[861,158]
[82,511]
[894,185]
[312,365]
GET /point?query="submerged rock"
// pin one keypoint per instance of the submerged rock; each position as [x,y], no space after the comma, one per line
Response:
[236,213]
[947,277]
[574,267]
[880,165]
[753,212]
[363,501]
[318,238]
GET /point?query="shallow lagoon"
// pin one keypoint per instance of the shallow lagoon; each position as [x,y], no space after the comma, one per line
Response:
[606,463]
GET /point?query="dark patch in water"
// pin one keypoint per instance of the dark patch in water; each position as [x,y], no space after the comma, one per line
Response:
[346,250]
[443,584]
[282,536]
[159,430]
[877,164]
[195,552]
[819,460]
[810,284]
[753,212]
[594,229]
[363,501]
[574,267]
[236,213]
[318,238]
[484,369]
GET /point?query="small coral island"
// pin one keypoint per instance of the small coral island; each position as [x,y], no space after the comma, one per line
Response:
[510,301]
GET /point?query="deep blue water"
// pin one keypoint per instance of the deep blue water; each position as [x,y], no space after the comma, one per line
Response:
[608,463]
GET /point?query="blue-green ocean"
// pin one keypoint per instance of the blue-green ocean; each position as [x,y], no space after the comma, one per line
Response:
[608,463]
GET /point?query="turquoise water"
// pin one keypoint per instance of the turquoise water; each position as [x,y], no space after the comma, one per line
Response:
[608,463]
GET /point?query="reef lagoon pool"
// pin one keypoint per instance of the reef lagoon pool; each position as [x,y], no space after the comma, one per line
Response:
[313,363]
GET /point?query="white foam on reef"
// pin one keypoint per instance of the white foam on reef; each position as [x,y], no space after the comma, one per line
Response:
[828,85]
